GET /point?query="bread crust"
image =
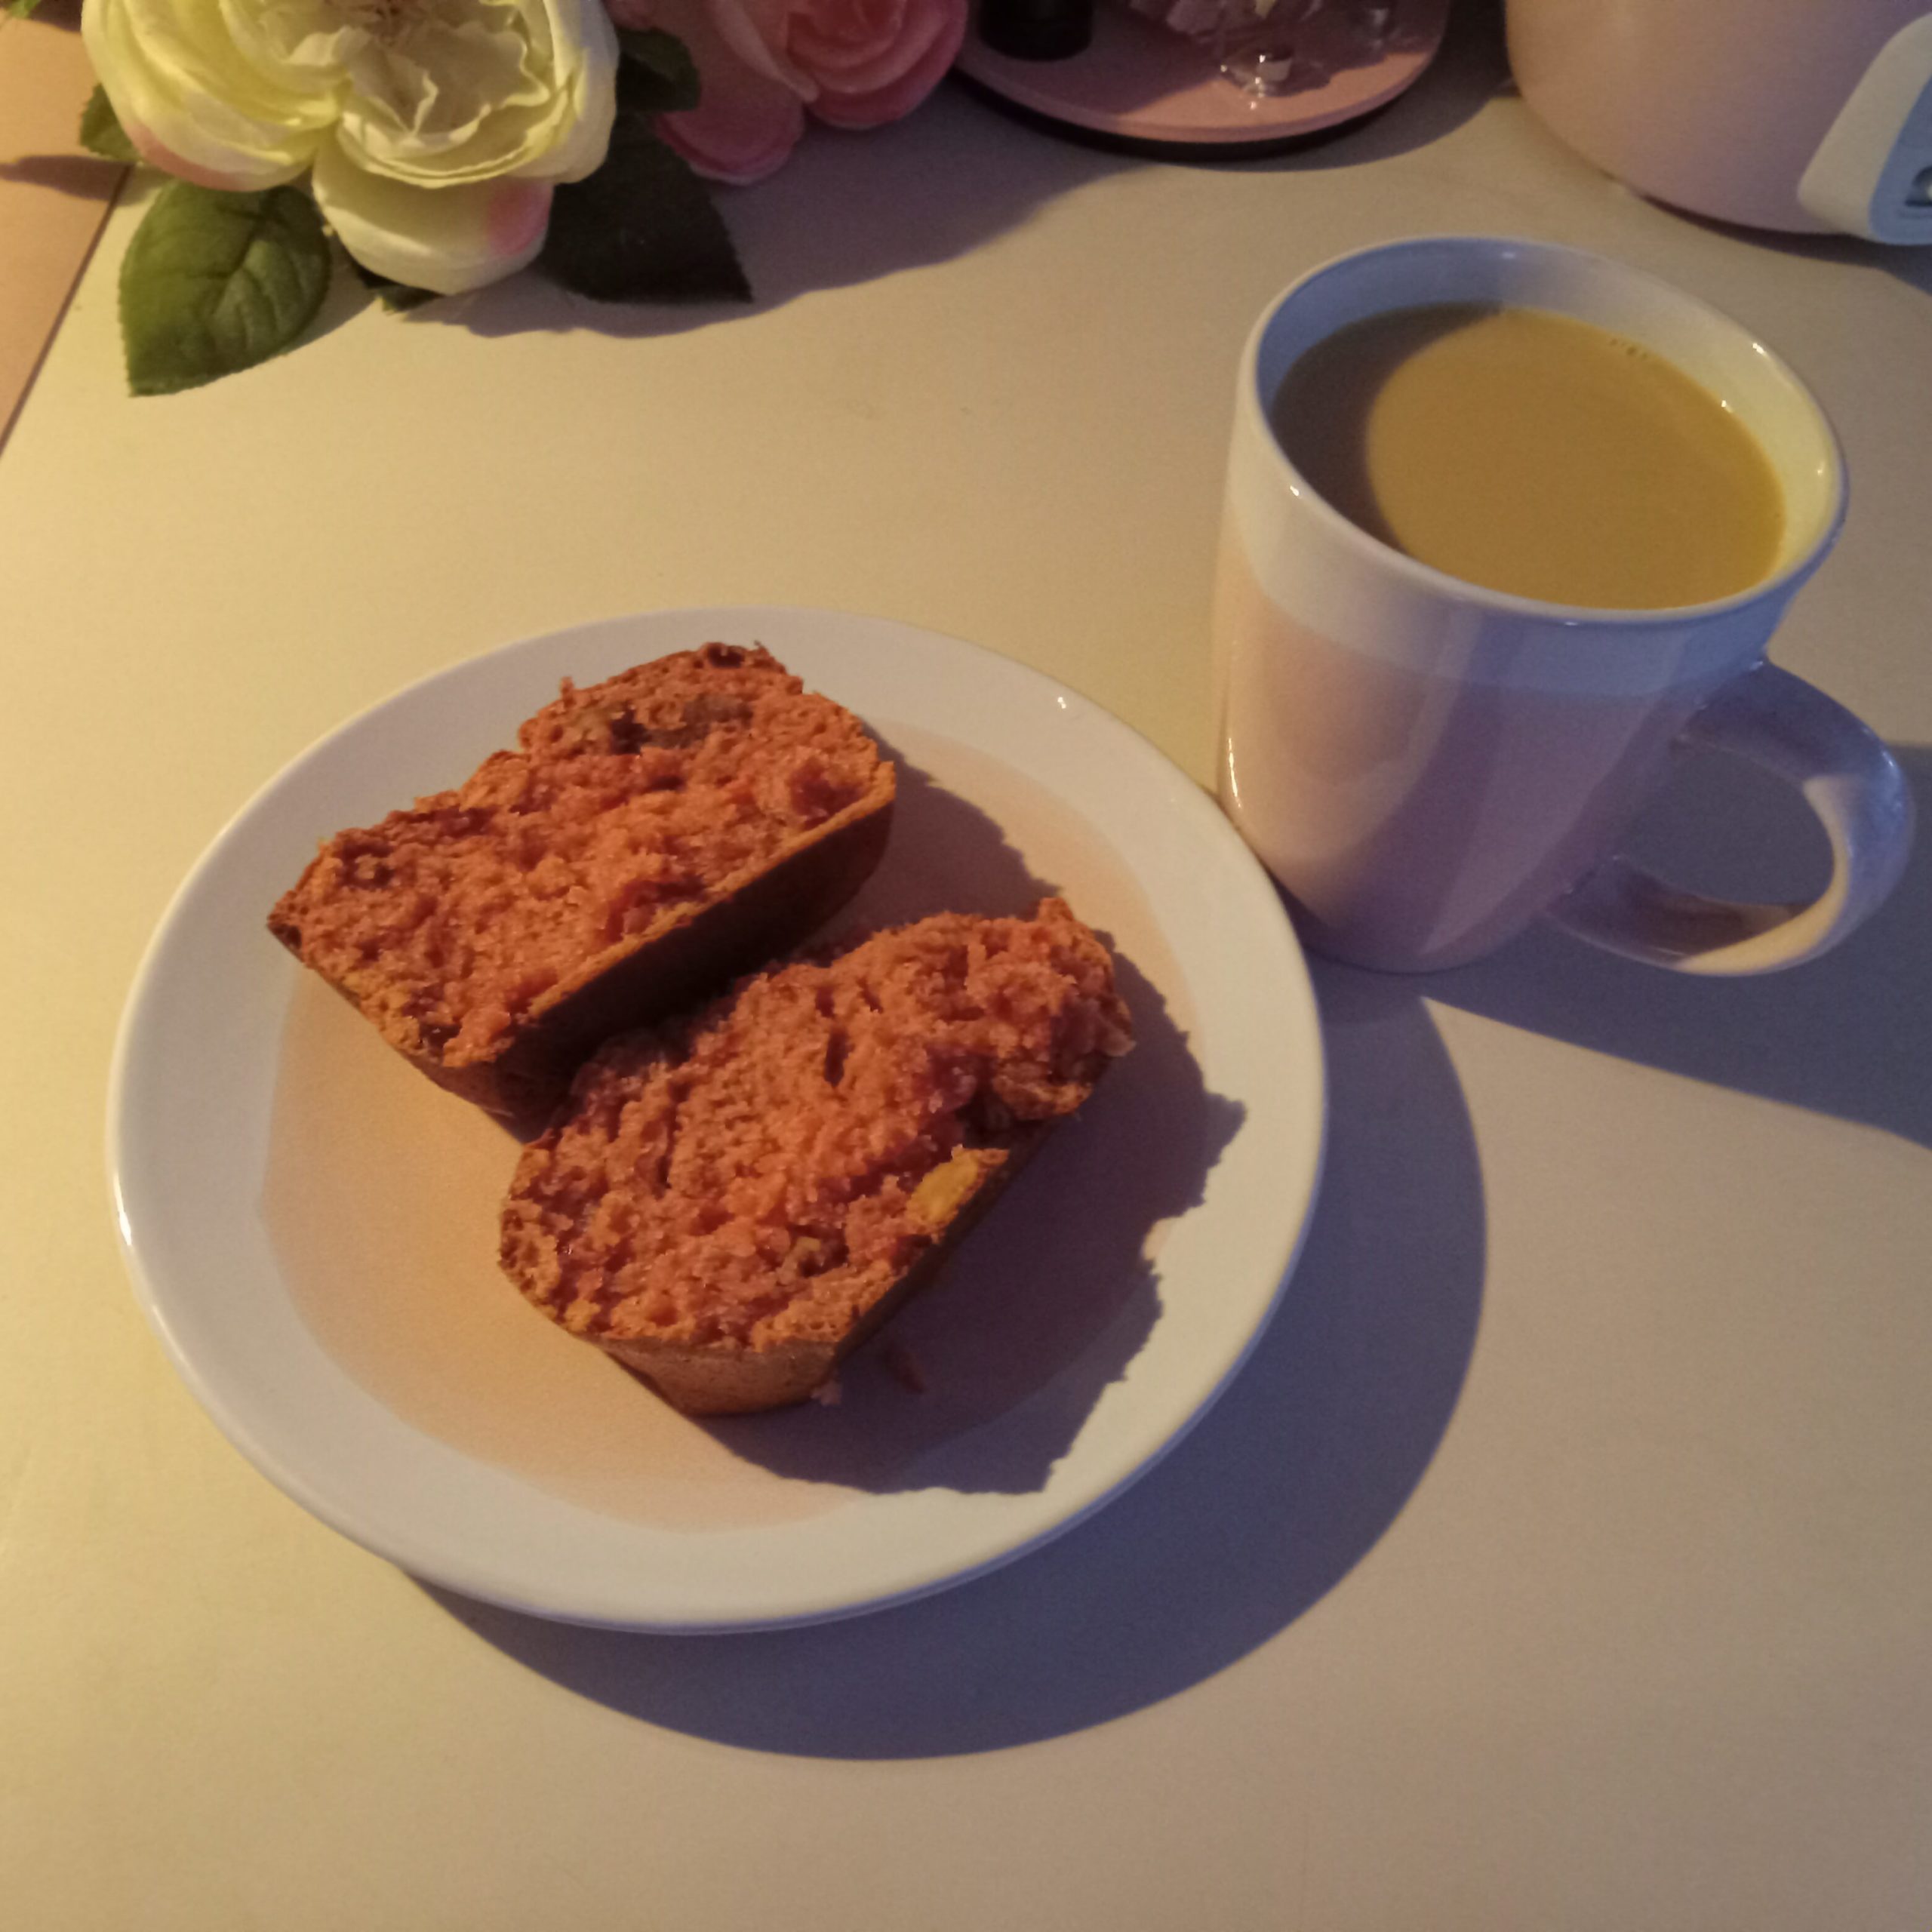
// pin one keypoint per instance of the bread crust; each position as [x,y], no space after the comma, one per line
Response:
[729,1205]
[765,912]
[766,909]
[723,1379]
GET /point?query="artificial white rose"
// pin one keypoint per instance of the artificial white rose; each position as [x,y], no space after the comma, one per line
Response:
[432,129]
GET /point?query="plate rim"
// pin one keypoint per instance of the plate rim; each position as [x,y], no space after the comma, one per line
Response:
[1273,124]
[268,1457]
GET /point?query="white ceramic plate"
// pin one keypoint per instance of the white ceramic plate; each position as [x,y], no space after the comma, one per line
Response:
[311,1225]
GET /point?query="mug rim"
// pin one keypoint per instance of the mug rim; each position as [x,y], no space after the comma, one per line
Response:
[1781,582]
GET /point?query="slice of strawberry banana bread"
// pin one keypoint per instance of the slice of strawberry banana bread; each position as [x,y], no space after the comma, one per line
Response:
[730,1203]
[652,837]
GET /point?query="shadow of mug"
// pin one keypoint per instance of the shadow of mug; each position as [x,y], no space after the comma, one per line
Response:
[1849,1035]
[1278,1494]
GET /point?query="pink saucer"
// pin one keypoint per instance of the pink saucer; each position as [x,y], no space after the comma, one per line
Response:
[1139,83]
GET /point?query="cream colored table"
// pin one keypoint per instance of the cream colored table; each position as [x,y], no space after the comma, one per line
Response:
[1561,1560]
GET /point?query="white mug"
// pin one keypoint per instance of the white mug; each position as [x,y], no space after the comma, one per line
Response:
[1427,765]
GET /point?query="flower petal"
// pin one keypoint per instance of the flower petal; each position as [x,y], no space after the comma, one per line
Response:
[526,88]
[448,239]
[745,122]
[758,31]
[592,92]
[190,103]
[859,105]
[884,69]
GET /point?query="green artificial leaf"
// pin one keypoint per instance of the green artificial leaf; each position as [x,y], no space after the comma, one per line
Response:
[396,297]
[658,76]
[101,131]
[642,228]
[212,283]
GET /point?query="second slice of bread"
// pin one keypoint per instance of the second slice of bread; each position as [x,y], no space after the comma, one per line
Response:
[651,837]
[730,1204]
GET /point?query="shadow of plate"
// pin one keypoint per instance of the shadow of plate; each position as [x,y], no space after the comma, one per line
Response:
[1267,1505]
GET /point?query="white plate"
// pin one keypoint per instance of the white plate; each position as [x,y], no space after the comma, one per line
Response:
[311,1225]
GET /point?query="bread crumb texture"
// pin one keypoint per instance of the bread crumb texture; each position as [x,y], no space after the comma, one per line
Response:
[626,806]
[763,1173]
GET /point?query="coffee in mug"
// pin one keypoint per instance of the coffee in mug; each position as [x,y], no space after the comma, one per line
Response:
[1531,452]
[1455,643]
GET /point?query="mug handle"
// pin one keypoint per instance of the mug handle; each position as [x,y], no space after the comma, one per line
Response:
[1849,779]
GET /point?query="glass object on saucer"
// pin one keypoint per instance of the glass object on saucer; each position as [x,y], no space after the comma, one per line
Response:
[1268,48]
[1258,44]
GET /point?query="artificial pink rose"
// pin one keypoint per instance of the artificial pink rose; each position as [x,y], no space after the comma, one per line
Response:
[750,112]
[760,63]
[873,60]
